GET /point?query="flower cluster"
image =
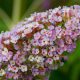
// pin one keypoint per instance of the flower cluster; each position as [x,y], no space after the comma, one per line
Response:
[36,45]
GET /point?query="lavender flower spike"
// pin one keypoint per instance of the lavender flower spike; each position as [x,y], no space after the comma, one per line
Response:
[35,46]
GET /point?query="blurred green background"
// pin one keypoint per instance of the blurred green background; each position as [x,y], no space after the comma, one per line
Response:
[12,11]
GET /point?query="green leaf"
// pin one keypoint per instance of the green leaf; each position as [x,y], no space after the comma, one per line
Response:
[3,26]
[75,72]
[76,53]
[57,75]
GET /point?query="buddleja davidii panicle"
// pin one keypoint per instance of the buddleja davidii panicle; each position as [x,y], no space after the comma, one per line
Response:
[36,45]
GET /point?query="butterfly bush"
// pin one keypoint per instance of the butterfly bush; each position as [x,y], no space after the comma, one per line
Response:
[38,44]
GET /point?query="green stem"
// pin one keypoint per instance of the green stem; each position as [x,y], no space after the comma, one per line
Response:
[16,10]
